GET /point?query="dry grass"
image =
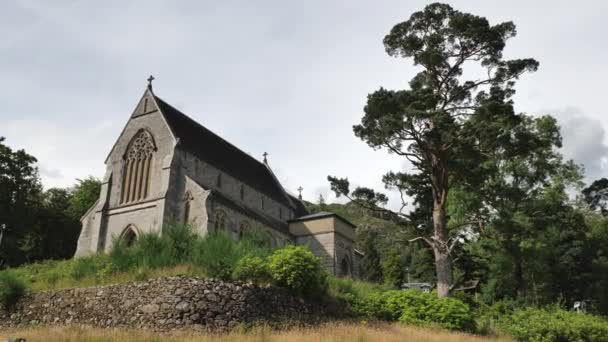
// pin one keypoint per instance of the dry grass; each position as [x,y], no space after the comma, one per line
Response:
[116,278]
[329,333]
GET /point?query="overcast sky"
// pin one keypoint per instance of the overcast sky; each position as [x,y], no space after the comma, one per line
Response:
[286,77]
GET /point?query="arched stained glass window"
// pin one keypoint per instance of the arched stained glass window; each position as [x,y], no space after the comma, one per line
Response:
[136,172]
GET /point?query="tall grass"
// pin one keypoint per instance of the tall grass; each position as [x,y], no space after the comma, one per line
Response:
[11,289]
[178,250]
[331,332]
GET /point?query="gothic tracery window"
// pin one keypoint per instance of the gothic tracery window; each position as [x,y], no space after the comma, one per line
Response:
[136,172]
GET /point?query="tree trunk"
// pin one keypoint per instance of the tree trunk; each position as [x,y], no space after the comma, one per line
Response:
[443,260]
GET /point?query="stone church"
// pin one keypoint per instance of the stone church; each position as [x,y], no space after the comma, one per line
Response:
[165,167]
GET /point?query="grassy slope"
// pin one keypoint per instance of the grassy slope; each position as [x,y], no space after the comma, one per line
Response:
[331,332]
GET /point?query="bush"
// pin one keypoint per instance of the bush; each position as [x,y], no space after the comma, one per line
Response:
[217,254]
[540,325]
[296,268]
[11,289]
[252,268]
[180,241]
[418,308]
[82,267]
[371,307]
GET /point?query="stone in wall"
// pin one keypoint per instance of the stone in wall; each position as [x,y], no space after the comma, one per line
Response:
[164,304]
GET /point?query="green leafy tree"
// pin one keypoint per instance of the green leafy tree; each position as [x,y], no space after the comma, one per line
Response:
[371,269]
[57,230]
[393,268]
[596,196]
[447,122]
[20,193]
[84,195]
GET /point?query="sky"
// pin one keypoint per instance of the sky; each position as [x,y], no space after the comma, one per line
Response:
[284,77]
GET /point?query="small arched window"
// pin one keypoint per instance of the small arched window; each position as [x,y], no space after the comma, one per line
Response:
[263,204]
[243,228]
[218,182]
[242,192]
[220,221]
[136,168]
[187,204]
[128,236]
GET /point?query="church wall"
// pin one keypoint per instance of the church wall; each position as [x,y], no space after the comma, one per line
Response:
[193,176]
[345,250]
[143,217]
[207,175]
[323,246]
[235,218]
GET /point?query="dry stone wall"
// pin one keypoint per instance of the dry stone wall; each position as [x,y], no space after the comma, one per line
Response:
[164,304]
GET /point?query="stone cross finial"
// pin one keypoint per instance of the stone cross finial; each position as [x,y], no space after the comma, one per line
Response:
[300,191]
[265,157]
[150,79]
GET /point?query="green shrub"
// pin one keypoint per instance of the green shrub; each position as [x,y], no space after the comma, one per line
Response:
[541,325]
[82,267]
[180,241]
[252,268]
[296,268]
[364,299]
[342,286]
[122,256]
[217,254]
[418,308]
[255,241]
[152,250]
[11,289]
[371,307]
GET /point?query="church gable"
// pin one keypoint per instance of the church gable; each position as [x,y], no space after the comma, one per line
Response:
[141,152]
[146,105]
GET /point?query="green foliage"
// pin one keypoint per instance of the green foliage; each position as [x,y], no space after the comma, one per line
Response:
[364,299]
[393,268]
[296,268]
[217,254]
[371,269]
[418,308]
[541,325]
[11,289]
[84,195]
[252,268]
[80,268]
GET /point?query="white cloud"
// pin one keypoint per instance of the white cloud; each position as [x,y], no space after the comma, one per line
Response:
[288,78]
[584,141]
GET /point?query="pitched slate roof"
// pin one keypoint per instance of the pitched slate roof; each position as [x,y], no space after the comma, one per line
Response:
[322,214]
[208,146]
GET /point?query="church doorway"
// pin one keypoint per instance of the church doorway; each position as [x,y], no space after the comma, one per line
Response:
[344,268]
[128,236]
